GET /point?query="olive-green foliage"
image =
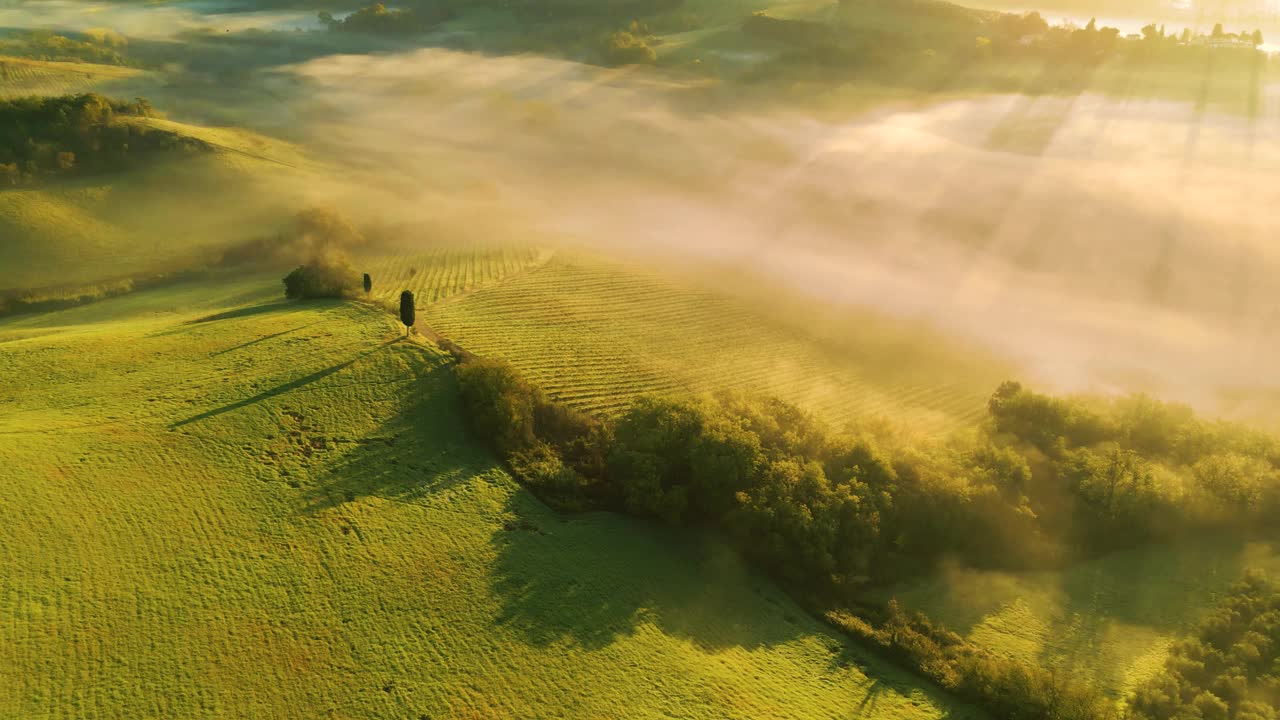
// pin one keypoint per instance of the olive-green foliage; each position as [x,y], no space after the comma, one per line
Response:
[804,505]
[1228,668]
[1135,469]
[321,279]
[1005,687]
[102,47]
[65,135]
[554,449]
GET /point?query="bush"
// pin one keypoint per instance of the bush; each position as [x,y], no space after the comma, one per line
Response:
[558,451]
[321,279]
[627,48]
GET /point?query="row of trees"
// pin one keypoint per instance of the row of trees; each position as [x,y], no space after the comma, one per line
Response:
[1045,480]
[1030,34]
[78,134]
[1228,668]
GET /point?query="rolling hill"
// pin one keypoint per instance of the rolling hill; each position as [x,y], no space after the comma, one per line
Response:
[244,507]
[598,333]
[156,217]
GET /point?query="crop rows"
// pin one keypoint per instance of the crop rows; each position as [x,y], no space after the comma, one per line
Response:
[19,78]
[596,336]
[439,273]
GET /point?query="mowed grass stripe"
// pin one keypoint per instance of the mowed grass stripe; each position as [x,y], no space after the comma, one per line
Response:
[438,273]
[596,334]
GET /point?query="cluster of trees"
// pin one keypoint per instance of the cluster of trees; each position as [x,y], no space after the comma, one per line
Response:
[824,513]
[322,236]
[77,134]
[631,46]
[376,19]
[104,47]
[1030,34]
[1044,481]
[1228,668]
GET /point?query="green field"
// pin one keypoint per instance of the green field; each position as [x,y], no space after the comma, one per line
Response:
[596,334]
[234,506]
[1110,620]
[435,274]
[157,217]
[20,77]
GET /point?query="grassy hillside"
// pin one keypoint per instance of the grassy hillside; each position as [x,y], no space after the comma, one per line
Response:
[442,272]
[159,216]
[596,334]
[1112,619]
[20,77]
[235,506]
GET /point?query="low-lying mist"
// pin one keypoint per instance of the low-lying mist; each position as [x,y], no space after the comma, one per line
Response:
[1104,244]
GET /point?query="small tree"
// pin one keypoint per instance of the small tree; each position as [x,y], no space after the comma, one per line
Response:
[368,283]
[407,310]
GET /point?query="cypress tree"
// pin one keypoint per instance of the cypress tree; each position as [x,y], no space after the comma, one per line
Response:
[368,283]
[407,314]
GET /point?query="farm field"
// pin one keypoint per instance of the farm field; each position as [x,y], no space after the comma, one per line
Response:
[236,506]
[1110,620]
[435,274]
[20,77]
[596,334]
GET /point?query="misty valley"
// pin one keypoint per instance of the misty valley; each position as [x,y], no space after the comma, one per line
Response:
[639,359]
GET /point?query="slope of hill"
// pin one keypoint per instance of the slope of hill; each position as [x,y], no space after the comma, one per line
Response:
[596,334]
[154,217]
[243,507]
[20,77]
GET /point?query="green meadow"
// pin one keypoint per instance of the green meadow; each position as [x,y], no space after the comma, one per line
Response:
[228,505]
[1111,620]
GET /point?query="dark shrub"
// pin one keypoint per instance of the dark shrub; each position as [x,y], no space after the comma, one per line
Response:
[321,279]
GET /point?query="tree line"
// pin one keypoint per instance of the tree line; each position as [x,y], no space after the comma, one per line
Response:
[103,47]
[1043,481]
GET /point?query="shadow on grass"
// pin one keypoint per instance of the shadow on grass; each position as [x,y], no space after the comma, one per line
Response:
[280,389]
[249,311]
[587,580]
[264,338]
[420,450]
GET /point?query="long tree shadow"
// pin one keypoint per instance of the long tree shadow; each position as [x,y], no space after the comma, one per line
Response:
[281,389]
[264,338]
[591,578]
[421,448]
[244,312]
